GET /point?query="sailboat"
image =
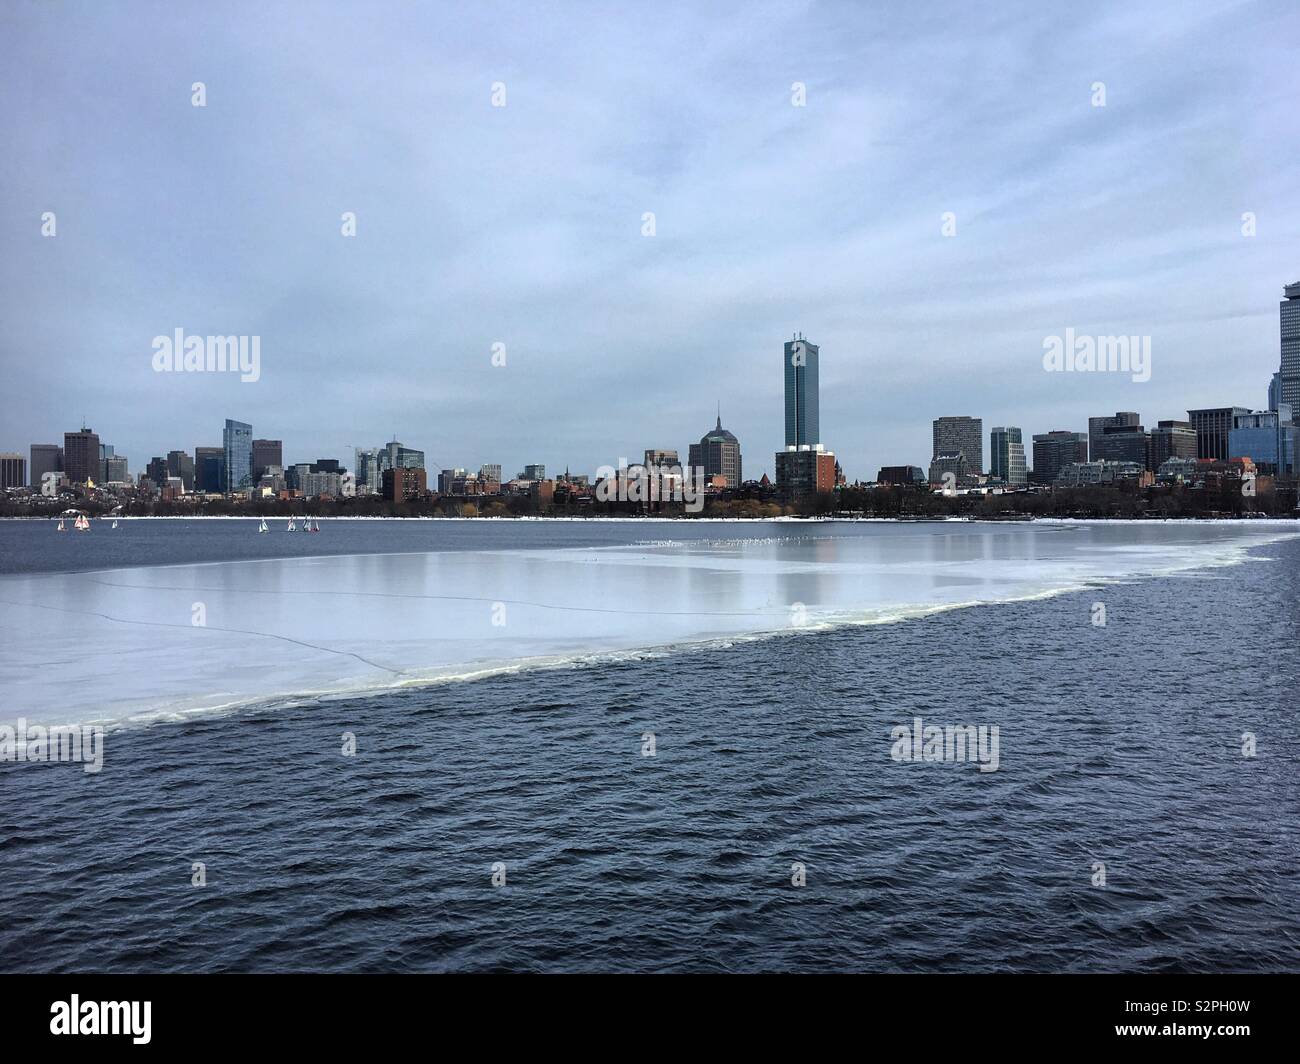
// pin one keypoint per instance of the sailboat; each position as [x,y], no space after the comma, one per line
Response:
[262,526]
[81,524]
[314,527]
[114,525]
[292,527]
[61,528]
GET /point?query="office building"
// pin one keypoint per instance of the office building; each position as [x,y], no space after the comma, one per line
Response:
[395,456]
[13,470]
[533,472]
[1212,426]
[1267,438]
[717,455]
[960,434]
[367,467]
[802,400]
[237,455]
[1055,450]
[210,469]
[46,458]
[115,471]
[490,474]
[1120,443]
[181,466]
[267,453]
[1289,314]
[81,456]
[1097,427]
[1007,457]
[156,470]
[1171,439]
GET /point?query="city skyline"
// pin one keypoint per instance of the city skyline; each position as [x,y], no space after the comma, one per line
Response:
[522,225]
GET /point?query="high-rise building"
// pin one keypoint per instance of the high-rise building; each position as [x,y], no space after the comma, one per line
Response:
[960,434]
[81,455]
[1097,427]
[115,471]
[1171,439]
[490,474]
[1289,314]
[210,469]
[1275,391]
[394,456]
[13,471]
[1121,443]
[1055,450]
[46,458]
[533,472]
[237,455]
[1267,438]
[181,466]
[367,466]
[802,402]
[267,453]
[1007,460]
[716,455]
[1212,426]
[157,471]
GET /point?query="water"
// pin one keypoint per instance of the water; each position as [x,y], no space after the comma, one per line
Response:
[1119,744]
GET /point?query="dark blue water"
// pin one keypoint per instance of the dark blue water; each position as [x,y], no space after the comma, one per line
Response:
[1118,744]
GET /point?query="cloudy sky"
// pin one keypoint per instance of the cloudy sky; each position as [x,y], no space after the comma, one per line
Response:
[523,225]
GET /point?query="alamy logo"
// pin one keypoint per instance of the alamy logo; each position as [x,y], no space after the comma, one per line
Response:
[179,353]
[951,743]
[1098,354]
[102,1017]
[651,484]
[59,742]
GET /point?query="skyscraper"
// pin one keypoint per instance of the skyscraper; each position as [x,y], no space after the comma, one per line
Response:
[1212,426]
[209,469]
[1055,449]
[960,434]
[46,458]
[13,470]
[237,455]
[1097,427]
[1171,439]
[1289,313]
[267,453]
[180,464]
[802,407]
[717,454]
[81,455]
[1007,460]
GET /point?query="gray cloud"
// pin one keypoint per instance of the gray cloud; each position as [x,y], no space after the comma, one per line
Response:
[522,224]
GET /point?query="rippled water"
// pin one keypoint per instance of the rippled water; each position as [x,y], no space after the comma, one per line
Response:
[1119,744]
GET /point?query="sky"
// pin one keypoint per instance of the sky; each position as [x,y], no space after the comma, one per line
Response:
[524,225]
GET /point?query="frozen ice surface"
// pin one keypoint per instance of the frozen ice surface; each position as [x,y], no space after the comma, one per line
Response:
[127,645]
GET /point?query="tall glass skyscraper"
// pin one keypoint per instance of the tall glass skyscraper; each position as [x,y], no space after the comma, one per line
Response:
[1008,457]
[802,414]
[1289,312]
[237,450]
